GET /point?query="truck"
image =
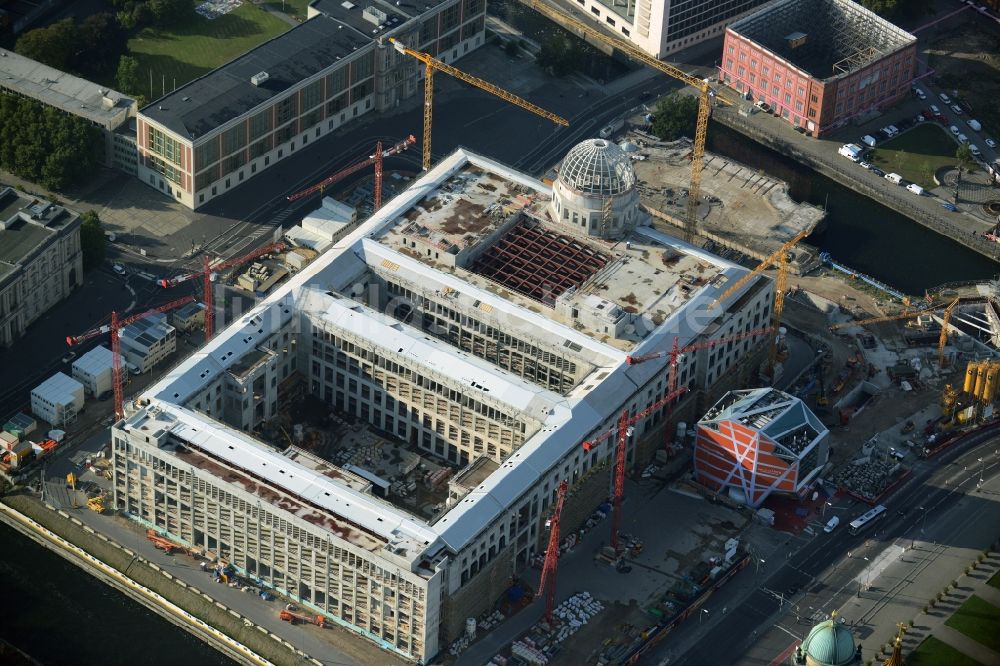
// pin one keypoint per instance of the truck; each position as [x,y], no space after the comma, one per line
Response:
[851,151]
[916,189]
[974,124]
[609,130]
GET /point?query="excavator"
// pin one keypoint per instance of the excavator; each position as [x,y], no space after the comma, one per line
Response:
[294,618]
[166,545]
[96,503]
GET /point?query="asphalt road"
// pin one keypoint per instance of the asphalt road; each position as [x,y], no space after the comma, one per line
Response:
[750,625]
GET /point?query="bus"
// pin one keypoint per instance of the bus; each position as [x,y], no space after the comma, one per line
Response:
[865,521]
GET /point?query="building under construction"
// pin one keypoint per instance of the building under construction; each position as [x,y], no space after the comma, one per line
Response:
[472,322]
[818,63]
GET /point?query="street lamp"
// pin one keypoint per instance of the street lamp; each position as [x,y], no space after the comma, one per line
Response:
[759,561]
[826,504]
[982,469]
[704,611]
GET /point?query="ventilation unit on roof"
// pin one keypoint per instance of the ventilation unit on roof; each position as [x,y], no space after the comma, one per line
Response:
[374,15]
[796,39]
[259,78]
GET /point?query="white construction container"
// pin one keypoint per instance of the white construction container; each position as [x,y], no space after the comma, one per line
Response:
[58,399]
[94,370]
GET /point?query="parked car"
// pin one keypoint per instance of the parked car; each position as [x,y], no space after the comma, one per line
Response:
[944,98]
[936,111]
[919,93]
[916,189]
[68,357]
[974,149]
[118,268]
[869,140]
[957,109]
[878,172]
[962,138]
[831,524]
[990,142]
[954,130]
[949,206]
[974,124]
[865,165]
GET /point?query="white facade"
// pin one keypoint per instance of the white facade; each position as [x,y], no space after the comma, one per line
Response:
[661,27]
[94,370]
[57,400]
[148,341]
[453,399]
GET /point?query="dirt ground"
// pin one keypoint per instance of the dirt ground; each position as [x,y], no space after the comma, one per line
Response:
[617,623]
[967,60]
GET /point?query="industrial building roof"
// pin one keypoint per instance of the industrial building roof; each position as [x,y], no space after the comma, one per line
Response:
[59,389]
[146,332]
[566,420]
[826,38]
[225,93]
[102,106]
[96,361]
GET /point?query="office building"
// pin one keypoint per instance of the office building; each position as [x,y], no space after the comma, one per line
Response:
[235,122]
[818,64]
[146,342]
[481,340]
[40,260]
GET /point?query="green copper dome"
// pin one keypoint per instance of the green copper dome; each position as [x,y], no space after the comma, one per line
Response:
[829,644]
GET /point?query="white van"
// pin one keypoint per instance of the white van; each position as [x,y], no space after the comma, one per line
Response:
[869,140]
[916,189]
[831,525]
[851,151]
[894,178]
[974,124]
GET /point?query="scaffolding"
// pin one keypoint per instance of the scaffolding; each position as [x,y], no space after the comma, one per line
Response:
[827,38]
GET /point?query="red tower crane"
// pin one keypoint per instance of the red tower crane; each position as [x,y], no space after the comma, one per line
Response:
[206,275]
[375,159]
[551,564]
[626,421]
[115,329]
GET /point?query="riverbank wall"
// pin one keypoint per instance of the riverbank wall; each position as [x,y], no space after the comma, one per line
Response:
[145,582]
[895,198]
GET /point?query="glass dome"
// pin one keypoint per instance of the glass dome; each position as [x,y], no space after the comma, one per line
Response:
[597,167]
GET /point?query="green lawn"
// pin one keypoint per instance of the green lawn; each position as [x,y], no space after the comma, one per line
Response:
[186,53]
[917,154]
[932,652]
[995,580]
[978,619]
[294,8]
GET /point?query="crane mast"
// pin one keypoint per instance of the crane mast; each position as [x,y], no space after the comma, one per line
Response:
[547,585]
[375,159]
[432,64]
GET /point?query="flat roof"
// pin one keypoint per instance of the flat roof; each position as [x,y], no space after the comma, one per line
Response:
[59,389]
[225,93]
[567,419]
[826,38]
[103,106]
[96,361]
[26,224]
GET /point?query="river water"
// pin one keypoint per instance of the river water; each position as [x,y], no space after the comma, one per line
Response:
[859,232]
[59,614]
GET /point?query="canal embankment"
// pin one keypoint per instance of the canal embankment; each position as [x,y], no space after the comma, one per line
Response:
[147,583]
[962,228]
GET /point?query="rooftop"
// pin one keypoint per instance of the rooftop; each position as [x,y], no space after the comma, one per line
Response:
[26,224]
[147,331]
[491,231]
[226,93]
[783,418]
[566,420]
[58,389]
[95,361]
[250,362]
[826,38]
[102,106]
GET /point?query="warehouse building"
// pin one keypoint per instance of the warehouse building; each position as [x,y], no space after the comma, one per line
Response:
[41,262]
[753,443]
[233,123]
[484,337]
[662,27]
[57,400]
[819,63]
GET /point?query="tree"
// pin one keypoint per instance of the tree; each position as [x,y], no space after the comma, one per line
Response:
[55,45]
[127,77]
[966,162]
[171,12]
[556,55]
[101,40]
[675,116]
[92,240]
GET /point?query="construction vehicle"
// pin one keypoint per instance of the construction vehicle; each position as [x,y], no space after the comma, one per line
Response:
[432,64]
[164,544]
[547,584]
[295,618]
[114,328]
[780,257]
[96,504]
[209,272]
[71,480]
[375,159]
[705,94]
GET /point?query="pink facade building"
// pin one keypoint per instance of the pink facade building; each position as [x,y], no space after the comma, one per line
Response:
[818,63]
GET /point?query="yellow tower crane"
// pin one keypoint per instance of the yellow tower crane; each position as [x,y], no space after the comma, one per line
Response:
[431,64]
[943,340]
[701,85]
[780,256]
[906,314]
